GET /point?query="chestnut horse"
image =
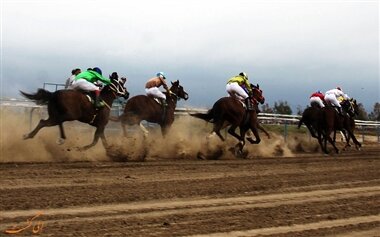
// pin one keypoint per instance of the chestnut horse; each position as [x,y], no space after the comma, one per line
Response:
[69,105]
[142,107]
[231,110]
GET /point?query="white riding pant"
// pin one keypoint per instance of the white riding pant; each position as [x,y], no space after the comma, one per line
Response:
[84,85]
[332,100]
[155,92]
[234,89]
[316,100]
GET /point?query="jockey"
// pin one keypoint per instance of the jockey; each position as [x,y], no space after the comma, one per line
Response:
[317,98]
[332,96]
[151,87]
[85,81]
[239,87]
[70,80]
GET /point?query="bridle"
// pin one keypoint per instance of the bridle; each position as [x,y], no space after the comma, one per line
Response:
[117,90]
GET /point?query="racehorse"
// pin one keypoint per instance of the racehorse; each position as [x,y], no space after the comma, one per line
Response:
[142,107]
[69,105]
[313,118]
[322,122]
[230,110]
[352,109]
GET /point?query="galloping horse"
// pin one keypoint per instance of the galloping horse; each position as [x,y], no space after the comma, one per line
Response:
[322,122]
[352,109]
[231,111]
[142,107]
[69,105]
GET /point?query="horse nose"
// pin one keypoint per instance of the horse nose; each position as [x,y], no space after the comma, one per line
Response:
[186,96]
[262,101]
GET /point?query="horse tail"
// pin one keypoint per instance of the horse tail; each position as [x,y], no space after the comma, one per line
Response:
[41,97]
[207,116]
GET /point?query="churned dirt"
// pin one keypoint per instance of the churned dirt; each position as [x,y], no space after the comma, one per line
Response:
[280,189]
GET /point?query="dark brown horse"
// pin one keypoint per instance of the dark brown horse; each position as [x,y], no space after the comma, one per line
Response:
[69,105]
[352,110]
[142,107]
[322,122]
[231,111]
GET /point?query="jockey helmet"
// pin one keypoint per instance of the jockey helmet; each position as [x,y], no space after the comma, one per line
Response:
[96,69]
[161,74]
[243,74]
[338,87]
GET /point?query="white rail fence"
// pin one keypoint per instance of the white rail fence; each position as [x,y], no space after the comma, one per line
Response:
[30,108]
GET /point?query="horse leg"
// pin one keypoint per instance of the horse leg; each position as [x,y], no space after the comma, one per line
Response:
[238,150]
[257,136]
[217,126]
[347,138]
[62,138]
[231,131]
[263,130]
[43,123]
[320,141]
[357,143]
[145,131]
[98,133]
[311,130]
[164,129]
[332,142]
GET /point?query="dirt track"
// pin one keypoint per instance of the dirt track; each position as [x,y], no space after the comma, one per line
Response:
[297,196]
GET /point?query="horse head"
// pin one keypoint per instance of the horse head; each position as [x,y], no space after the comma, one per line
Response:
[116,86]
[257,94]
[178,90]
[354,106]
[350,107]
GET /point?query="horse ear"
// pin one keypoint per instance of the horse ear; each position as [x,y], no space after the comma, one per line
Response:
[257,85]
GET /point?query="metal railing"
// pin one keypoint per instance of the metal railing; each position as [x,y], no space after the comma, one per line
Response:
[266,118]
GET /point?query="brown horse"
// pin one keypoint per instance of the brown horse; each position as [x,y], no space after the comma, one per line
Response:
[142,107]
[231,111]
[352,110]
[322,122]
[69,105]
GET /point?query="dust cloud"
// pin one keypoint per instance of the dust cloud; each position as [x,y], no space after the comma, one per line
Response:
[185,140]
[43,147]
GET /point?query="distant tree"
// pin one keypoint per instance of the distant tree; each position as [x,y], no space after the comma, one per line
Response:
[375,114]
[265,108]
[282,107]
[362,113]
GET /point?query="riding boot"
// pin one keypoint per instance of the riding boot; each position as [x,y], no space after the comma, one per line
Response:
[340,111]
[163,102]
[98,103]
[248,103]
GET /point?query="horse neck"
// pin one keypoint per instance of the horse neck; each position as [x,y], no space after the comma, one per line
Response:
[172,102]
[108,97]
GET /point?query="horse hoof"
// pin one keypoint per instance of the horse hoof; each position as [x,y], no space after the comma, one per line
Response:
[200,156]
[25,136]
[60,141]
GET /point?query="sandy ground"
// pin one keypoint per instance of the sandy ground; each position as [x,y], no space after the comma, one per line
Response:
[280,189]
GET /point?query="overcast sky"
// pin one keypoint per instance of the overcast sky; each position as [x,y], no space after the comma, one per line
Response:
[290,48]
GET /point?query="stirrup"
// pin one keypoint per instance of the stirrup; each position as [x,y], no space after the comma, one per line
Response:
[99,104]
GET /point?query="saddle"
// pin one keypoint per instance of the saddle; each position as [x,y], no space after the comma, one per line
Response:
[90,95]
